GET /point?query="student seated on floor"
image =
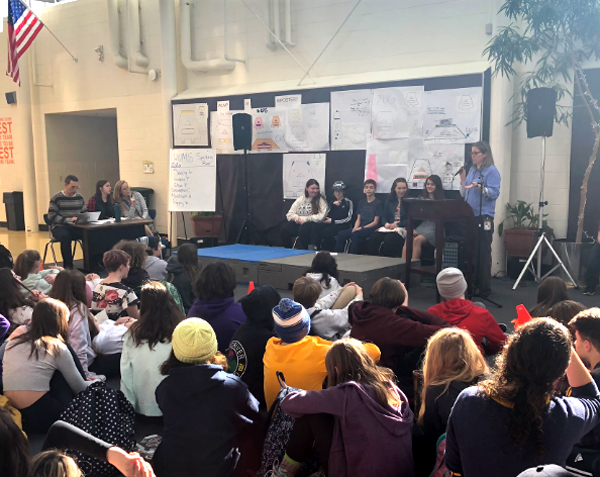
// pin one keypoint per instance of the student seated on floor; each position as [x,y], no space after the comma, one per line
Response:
[328,317]
[300,357]
[30,268]
[324,270]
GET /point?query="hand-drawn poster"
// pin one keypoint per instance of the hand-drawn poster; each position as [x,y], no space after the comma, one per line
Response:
[269,129]
[441,159]
[386,161]
[221,131]
[309,130]
[452,115]
[397,112]
[298,169]
[190,124]
[350,119]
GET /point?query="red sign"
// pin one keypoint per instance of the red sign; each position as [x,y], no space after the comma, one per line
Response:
[6,141]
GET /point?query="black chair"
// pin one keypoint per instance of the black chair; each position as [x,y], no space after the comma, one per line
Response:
[53,241]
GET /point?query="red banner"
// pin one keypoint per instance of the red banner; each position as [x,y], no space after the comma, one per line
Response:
[6,141]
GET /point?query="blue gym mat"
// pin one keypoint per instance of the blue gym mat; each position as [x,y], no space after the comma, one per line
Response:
[249,253]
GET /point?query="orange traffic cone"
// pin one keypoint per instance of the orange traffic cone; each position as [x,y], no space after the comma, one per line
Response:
[523,316]
[250,287]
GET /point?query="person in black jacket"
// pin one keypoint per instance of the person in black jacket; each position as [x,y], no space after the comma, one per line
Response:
[185,268]
[389,239]
[247,347]
[212,425]
[137,275]
[452,363]
[322,236]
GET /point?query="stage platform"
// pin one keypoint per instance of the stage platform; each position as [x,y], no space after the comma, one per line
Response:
[245,259]
[280,267]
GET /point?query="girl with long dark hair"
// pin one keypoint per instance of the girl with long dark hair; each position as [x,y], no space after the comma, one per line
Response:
[389,239]
[146,346]
[30,362]
[360,425]
[425,231]
[324,270]
[185,268]
[515,421]
[309,209]
[102,201]
[322,235]
[13,305]
[551,291]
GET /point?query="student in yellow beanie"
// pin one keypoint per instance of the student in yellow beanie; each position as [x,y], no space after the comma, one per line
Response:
[210,417]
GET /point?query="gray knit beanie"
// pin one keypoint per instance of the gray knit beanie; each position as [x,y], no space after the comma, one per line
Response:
[451,283]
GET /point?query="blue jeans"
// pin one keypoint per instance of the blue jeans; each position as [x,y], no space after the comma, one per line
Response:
[357,238]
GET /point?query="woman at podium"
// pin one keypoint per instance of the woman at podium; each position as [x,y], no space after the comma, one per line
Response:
[480,188]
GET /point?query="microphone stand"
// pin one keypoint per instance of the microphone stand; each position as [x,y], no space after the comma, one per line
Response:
[480,232]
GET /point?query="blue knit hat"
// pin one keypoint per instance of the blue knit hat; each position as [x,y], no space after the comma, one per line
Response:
[292,321]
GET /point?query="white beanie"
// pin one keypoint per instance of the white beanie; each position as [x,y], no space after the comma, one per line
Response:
[451,283]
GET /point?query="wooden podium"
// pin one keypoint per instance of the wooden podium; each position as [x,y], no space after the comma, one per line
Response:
[440,212]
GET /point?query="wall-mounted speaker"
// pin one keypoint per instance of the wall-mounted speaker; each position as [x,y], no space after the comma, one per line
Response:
[242,131]
[540,109]
[11,98]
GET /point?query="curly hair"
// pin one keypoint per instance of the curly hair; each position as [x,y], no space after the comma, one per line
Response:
[534,358]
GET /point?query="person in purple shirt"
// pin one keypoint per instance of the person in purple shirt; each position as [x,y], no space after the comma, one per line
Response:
[514,421]
[481,187]
[215,303]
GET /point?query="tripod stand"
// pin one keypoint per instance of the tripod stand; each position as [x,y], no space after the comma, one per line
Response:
[480,232]
[247,222]
[538,249]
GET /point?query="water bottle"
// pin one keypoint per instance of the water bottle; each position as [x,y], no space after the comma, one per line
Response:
[117,212]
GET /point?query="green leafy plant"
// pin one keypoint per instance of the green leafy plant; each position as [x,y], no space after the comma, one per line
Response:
[555,37]
[521,215]
[203,214]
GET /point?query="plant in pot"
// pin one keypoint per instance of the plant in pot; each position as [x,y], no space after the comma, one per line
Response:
[519,237]
[207,224]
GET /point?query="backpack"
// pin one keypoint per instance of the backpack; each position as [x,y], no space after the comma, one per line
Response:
[6,260]
[440,469]
[107,415]
[279,431]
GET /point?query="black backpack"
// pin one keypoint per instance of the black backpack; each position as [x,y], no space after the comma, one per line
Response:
[6,260]
[107,415]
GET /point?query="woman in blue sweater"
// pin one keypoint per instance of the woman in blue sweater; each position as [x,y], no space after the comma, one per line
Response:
[389,239]
[514,421]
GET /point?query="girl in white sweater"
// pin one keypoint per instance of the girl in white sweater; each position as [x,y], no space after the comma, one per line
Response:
[306,211]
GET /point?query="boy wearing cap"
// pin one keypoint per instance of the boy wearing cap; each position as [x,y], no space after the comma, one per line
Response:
[210,417]
[300,357]
[465,314]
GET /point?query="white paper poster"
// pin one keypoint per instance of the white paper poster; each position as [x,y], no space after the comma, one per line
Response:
[310,130]
[193,180]
[190,124]
[350,119]
[288,101]
[221,131]
[298,169]
[269,129]
[452,115]
[397,112]
[441,159]
[386,161]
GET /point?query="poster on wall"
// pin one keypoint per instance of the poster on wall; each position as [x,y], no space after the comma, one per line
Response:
[192,180]
[397,112]
[221,131]
[190,124]
[350,119]
[453,115]
[269,129]
[386,161]
[6,141]
[308,128]
[298,169]
[441,159]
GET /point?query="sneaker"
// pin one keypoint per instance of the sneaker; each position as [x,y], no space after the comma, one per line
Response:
[589,292]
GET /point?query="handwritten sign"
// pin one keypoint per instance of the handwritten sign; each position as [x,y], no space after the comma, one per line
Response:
[193,180]
[6,141]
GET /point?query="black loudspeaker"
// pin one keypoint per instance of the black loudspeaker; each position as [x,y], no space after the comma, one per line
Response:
[11,98]
[242,131]
[540,110]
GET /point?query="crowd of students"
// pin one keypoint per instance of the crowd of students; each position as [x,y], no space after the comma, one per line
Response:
[378,385]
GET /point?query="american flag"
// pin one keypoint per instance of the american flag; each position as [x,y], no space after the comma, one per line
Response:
[23,27]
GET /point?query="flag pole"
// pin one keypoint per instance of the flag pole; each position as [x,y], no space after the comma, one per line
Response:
[55,37]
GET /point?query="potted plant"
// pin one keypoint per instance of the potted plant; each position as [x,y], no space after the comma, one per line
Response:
[524,225]
[555,37]
[207,224]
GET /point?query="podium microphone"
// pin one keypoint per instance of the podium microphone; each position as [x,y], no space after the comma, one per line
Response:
[458,172]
